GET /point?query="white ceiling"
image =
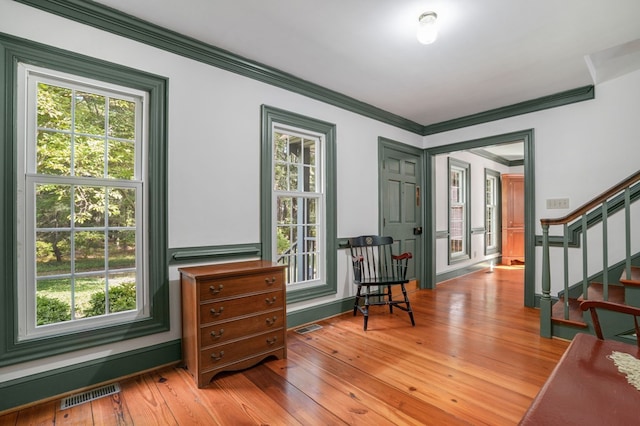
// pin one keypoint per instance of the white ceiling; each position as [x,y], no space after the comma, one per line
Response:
[489,53]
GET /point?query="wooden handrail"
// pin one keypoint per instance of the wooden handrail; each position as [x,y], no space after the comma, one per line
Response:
[593,203]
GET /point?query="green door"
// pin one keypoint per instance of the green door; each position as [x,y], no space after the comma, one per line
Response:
[401,199]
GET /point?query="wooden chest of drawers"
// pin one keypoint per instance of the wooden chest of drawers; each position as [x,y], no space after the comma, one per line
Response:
[233,316]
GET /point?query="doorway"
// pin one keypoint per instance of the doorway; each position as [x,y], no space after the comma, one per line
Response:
[527,138]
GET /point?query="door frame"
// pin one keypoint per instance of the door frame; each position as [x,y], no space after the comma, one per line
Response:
[385,143]
[429,240]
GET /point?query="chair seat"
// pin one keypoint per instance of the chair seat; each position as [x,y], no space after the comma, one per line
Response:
[380,282]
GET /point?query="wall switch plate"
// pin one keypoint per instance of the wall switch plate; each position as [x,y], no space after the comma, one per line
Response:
[557,203]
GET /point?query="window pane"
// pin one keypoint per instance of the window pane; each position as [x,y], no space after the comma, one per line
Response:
[122,292]
[53,253]
[122,249]
[89,251]
[121,160]
[53,154]
[122,119]
[122,207]
[280,146]
[53,301]
[91,296]
[311,209]
[284,209]
[293,178]
[310,153]
[54,107]
[53,206]
[310,179]
[90,206]
[88,157]
[90,113]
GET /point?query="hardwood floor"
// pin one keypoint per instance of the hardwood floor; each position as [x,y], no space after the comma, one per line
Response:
[474,357]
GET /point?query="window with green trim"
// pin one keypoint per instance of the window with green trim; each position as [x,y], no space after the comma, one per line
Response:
[491,211]
[84,253]
[459,211]
[298,201]
[84,246]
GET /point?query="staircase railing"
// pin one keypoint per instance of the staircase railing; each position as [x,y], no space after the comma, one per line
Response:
[575,226]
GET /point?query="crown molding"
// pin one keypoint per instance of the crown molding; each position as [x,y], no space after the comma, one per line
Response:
[111,20]
[579,94]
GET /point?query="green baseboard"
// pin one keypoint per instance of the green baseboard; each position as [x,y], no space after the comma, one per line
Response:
[316,313]
[25,390]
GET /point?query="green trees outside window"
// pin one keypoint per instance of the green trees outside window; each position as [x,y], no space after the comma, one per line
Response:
[86,194]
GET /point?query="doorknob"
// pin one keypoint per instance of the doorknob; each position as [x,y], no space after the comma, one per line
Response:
[417,230]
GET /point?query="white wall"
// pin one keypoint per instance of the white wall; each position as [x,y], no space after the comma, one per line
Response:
[581,150]
[214,155]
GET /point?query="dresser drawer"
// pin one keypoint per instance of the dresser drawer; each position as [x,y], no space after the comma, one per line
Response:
[234,286]
[220,355]
[230,308]
[235,329]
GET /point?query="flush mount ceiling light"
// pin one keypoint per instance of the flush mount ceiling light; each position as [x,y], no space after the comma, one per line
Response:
[427,29]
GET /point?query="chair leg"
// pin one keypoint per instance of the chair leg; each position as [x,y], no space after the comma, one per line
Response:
[390,299]
[365,311]
[406,301]
[355,305]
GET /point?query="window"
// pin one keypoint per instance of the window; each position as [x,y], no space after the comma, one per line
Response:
[83,198]
[84,246]
[298,206]
[492,211]
[459,214]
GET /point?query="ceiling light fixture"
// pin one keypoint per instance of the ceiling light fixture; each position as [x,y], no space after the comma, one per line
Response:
[427,29]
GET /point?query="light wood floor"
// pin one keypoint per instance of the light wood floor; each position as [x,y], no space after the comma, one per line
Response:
[474,357]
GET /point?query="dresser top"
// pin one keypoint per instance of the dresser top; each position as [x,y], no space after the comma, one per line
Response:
[230,268]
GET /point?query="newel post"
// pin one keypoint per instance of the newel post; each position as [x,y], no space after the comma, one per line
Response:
[545,301]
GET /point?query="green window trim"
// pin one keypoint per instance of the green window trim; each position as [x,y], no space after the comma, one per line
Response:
[466,235]
[270,116]
[498,211]
[12,51]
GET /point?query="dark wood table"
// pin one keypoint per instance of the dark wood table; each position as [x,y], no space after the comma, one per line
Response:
[586,388]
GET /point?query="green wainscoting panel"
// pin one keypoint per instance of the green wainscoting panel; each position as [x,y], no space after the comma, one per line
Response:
[234,252]
[25,390]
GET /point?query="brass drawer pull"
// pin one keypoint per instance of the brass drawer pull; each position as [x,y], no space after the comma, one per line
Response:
[270,281]
[272,341]
[213,290]
[271,321]
[217,336]
[270,301]
[214,313]
[217,357]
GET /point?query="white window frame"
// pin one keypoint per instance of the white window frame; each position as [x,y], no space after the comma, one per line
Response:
[28,78]
[319,195]
[492,211]
[463,203]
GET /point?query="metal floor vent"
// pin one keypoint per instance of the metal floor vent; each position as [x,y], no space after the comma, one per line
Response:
[90,395]
[308,329]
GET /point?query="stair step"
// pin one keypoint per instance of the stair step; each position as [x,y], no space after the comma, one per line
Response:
[596,292]
[634,280]
[575,313]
